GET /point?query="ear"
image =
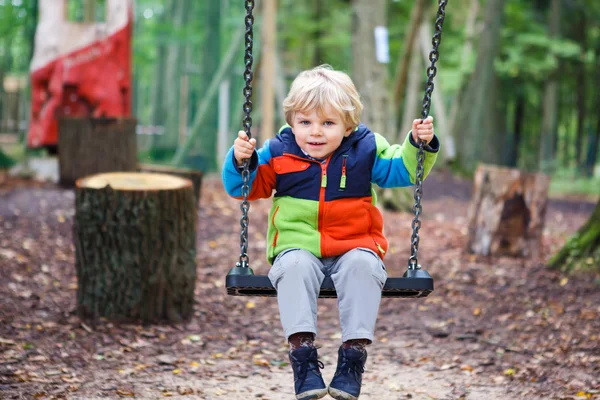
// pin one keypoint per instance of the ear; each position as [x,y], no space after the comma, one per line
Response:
[348,131]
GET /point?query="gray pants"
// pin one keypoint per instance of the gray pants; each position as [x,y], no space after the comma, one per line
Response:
[358,276]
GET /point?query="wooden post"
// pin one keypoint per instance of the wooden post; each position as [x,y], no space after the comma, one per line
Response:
[183,108]
[135,247]
[88,146]
[269,38]
[506,215]
[89,11]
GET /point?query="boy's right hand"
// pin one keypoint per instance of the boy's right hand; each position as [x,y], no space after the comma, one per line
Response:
[243,148]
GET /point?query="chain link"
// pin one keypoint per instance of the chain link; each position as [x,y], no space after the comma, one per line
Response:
[413,262]
[247,123]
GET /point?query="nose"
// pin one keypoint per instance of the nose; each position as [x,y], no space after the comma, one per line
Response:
[315,129]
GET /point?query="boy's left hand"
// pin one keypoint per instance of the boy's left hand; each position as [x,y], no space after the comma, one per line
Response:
[423,131]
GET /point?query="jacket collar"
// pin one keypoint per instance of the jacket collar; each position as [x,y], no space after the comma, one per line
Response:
[290,146]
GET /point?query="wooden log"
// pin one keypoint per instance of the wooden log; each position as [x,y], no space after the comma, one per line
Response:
[192,174]
[88,146]
[506,215]
[135,247]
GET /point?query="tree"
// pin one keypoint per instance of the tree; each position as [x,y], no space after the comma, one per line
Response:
[479,126]
[582,251]
[370,76]
[549,119]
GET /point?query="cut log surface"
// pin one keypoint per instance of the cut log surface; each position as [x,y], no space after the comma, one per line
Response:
[135,246]
[193,175]
[506,215]
[88,146]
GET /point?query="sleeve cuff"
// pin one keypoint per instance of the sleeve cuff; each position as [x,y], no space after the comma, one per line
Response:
[432,147]
[253,163]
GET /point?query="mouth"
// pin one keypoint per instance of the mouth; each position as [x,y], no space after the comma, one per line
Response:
[315,144]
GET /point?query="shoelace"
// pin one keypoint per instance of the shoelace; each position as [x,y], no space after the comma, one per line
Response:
[311,363]
[355,367]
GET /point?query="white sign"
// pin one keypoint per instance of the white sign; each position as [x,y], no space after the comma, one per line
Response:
[382,47]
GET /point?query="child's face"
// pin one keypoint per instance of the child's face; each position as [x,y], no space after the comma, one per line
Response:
[319,135]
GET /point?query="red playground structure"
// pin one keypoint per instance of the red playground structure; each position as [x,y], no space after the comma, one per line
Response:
[79,69]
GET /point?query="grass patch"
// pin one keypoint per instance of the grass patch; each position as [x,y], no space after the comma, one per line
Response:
[561,186]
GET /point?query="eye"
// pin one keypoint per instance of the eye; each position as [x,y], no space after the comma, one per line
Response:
[304,122]
[329,123]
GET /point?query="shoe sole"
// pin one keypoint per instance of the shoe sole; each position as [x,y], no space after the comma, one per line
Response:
[340,395]
[312,394]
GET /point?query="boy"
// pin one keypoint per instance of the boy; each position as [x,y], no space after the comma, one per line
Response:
[323,221]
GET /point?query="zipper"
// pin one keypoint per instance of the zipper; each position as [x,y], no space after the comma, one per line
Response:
[343,178]
[322,202]
[276,230]
[321,217]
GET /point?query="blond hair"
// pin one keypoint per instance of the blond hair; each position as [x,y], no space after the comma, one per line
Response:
[320,87]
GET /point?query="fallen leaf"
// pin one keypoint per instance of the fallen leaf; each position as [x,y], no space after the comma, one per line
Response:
[564,281]
[125,393]
[185,390]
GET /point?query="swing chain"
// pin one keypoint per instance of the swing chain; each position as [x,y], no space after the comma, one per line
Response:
[431,72]
[247,123]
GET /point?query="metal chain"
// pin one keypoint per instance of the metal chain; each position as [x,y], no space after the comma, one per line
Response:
[431,72]
[247,122]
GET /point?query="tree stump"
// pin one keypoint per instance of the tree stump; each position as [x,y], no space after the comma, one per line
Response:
[88,146]
[135,246]
[506,215]
[193,175]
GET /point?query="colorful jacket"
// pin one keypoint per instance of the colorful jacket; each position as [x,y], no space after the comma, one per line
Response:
[329,207]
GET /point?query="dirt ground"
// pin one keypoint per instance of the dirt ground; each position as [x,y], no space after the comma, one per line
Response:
[494,328]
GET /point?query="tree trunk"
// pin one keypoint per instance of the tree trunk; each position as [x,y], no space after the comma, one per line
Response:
[513,156]
[402,69]
[595,139]
[211,60]
[550,102]
[173,66]
[158,111]
[437,99]
[467,50]
[580,91]
[506,215]
[582,251]
[411,108]
[88,146]
[370,76]
[318,8]
[135,247]
[267,88]
[478,125]
[202,113]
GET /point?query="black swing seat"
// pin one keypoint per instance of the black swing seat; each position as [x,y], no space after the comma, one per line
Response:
[415,283]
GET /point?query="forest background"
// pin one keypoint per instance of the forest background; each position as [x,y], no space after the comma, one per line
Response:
[516,76]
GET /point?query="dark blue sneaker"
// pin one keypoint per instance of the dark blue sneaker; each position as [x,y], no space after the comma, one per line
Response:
[308,381]
[347,380]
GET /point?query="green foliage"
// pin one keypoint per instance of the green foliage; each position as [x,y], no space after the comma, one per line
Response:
[319,31]
[5,161]
[298,28]
[16,18]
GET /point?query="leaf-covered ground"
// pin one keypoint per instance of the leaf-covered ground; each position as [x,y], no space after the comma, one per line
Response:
[494,328]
